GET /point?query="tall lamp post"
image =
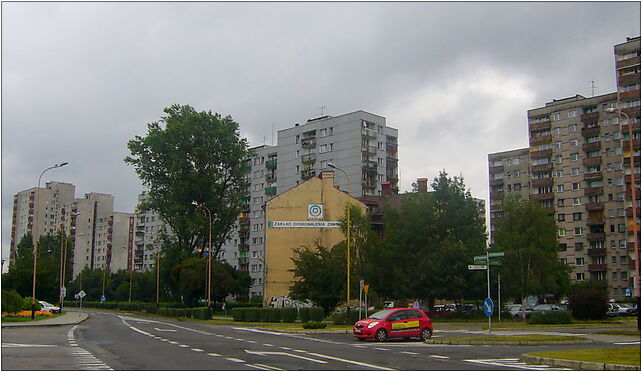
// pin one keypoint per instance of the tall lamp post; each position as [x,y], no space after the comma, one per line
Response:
[209,254]
[35,243]
[331,165]
[636,243]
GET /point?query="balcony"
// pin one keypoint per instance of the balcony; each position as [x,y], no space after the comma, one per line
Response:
[594,191]
[270,177]
[632,227]
[245,207]
[270,164]
[307,174]
[628,79]
[596,221]
[590,207]
[243,260]
[591,132]
[594,146]
[536,140]
[391,161]
[596,251]
[591,116]
[627,143]
[541,154]
[497,207]
[544,196]
[597,267]
[497,194]
[541,168]
[308,158]
[496,169]
[244,221]
[496,182]
[309,143]
[629,195]
[391,146]
[367,132]
[370,165]
[270,190]
[592,176]
[627,160]
[625,128]
[595,236]
[244,247]
[369,183]
[592,162]
[630,94]
[627,62]
[631,264]
[244,233]
[540,126]
[370,150]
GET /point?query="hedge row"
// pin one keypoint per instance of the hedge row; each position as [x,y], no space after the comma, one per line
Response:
[276,315]
[203,313]
[550,317]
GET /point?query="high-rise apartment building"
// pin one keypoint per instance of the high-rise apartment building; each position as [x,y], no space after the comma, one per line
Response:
[577,167]
[147,241]
[100,237]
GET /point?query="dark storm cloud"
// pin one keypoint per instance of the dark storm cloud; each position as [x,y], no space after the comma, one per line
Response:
[81,79]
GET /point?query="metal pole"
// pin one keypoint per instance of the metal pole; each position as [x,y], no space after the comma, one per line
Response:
[62,258]
[488,283]
[499,298]
[157,276]
[209,262]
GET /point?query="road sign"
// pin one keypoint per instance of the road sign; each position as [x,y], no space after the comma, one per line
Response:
[484,262]
[488,307]
[102,298]
[82,294]
[365,288]
[476,258]
[63,291]
[477,267]
[495,254]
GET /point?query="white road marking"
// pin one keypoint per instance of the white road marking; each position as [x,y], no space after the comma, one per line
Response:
[268,345]
[515,363]
[440,357]
[199,350]
[627,343]
[235,360]
[183,345]
[164,330]
[285,354]
[351,361]
[84,359]
[214,354]
[409,353]
[269,367]
[382,349]
[26,345]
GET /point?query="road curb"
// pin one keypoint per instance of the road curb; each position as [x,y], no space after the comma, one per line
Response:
[54,323]
[307,331]
[576,364]
[511,343]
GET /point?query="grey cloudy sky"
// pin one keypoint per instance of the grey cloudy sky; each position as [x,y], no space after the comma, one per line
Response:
[81,79]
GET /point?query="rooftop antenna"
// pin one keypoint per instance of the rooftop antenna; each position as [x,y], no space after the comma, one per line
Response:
[322,108]
[263,140]
[593,86]
[272,134]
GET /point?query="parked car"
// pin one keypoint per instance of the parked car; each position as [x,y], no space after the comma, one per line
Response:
[392,323]
[547,307]
[46,306]
[516,311]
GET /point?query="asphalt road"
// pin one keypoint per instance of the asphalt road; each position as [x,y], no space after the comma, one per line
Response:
[122,341]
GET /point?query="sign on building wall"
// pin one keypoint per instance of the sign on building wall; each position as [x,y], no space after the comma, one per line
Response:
[315,211]
[297,224]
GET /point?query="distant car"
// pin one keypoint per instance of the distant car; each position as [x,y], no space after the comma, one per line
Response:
[392,323]
[516,311]
[46,306]
[547,307]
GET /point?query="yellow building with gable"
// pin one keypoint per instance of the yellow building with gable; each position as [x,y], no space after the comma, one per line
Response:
[301,216]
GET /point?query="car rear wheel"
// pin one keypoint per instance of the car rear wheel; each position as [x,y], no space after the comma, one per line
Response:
[426,334]
[381,335]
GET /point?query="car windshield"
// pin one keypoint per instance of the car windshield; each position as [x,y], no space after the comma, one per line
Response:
[44,303]
[380,314]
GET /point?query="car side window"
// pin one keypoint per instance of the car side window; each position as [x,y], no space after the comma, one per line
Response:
[396,316]
[413,314]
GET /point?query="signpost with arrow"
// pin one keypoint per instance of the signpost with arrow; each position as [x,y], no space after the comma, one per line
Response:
[484,263]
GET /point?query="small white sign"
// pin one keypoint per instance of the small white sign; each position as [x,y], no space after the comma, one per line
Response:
[315,211]
[303,224]
[82,294]
[476,267]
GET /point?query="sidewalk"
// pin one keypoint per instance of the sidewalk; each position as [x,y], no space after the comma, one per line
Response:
[70,317]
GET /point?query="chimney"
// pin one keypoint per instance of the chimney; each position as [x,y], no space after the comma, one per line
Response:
[386,189]
[327,177]
[422,184]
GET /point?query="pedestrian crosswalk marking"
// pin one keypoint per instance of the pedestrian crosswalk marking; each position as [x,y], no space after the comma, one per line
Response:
[515,363]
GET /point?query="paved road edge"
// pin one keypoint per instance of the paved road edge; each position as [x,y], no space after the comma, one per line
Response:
[576,364]
[75,320]
[513,343]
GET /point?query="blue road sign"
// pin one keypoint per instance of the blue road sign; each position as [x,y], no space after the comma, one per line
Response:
[488,307]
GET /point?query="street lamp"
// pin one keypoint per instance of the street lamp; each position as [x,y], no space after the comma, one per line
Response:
[636,243]
[331,165]
[35,243]
[209,255]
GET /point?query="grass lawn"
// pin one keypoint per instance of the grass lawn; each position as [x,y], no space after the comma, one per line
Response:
[622,332]
[576,323]
[18,319]
[515,338]
[615,355]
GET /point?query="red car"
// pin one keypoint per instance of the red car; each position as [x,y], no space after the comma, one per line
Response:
[396,322]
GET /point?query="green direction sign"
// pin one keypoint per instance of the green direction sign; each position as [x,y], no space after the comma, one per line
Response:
[496,254]
[482,261]
[479,258]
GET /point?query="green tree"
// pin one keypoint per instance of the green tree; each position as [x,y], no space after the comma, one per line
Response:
[191,156]
[528,237]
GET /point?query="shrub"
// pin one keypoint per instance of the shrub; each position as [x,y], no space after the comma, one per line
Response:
[588,303]
[26,304]
[317,314]
[314,325]
[304,314]
[288,314]
[252,314]
[550,317]
[203,313]
[265,314]
[343,318]
[234,305]
[275,315]
[238,314]
[11,301]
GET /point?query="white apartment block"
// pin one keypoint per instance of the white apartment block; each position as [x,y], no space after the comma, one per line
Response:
[147,240]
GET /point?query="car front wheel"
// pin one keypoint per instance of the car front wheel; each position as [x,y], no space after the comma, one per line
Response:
[426,334]
[381,335]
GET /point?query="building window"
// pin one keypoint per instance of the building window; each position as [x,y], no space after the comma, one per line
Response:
[574,142]
[575,171]
[579,230]
[577,216]
[560,217]
[324,148]
[560,188]
[624,275]
[579,246]
[579,261]
[579,276]
[297,138]
[577,201]
[575,156]
[562,247]
[560,202]
[561,231]
[572,114]
[323,132]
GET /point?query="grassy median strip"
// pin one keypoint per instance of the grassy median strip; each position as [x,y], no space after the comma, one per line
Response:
[514,338]
[20,319]
[614,355]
